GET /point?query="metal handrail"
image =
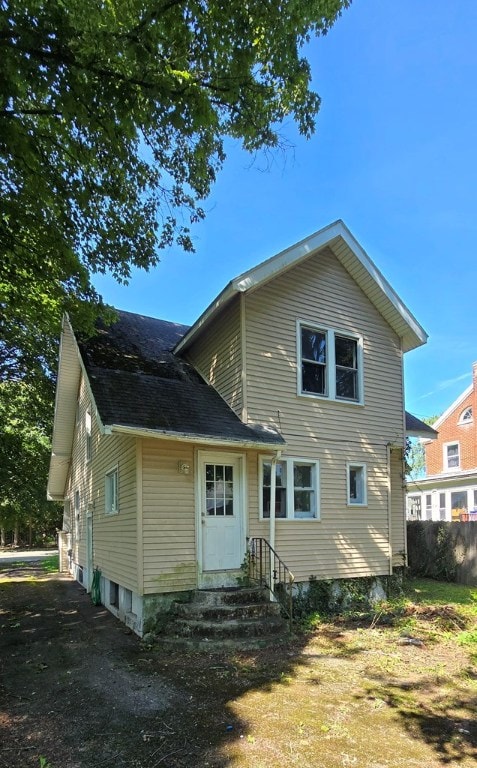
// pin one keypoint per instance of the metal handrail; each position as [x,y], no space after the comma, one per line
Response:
[267,569]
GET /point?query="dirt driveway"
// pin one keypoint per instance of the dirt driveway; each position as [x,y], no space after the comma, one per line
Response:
[78,690]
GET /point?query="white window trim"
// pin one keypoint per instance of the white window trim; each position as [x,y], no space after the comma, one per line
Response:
[462,420]
[445,458]
[349,501]
[108,474]
[330,376]
[290,488]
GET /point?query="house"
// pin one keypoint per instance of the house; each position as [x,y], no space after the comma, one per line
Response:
[277,416]
[449,489]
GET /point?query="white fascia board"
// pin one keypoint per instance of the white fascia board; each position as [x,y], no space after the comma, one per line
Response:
[65,405]
[290,257]
[443,478]
[185,438]
[452,407]
[222,299]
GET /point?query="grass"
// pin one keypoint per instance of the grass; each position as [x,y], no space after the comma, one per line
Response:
[48,565]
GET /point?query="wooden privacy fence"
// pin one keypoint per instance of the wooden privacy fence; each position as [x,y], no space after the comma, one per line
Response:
[443,550]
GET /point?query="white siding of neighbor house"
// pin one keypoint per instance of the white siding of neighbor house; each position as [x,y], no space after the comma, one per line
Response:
[168,497]
[346,541]
[217,356]
[398,509]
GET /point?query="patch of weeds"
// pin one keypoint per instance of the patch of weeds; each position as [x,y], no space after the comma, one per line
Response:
[44,763]
[468,638]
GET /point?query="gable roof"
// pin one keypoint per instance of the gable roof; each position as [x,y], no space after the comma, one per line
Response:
[453,406]
[139,386]
[417,428]
[355,260]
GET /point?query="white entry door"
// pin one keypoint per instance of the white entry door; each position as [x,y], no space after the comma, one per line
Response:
[221,512]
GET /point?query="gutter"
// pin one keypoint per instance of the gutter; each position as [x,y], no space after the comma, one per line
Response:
[190,438]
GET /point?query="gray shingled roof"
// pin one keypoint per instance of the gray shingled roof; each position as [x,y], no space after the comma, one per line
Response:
[415,426]
[138,382]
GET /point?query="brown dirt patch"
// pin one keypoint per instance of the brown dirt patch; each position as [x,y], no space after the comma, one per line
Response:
[82,691]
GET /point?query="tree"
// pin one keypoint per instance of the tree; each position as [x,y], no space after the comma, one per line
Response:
[415,454]
[25,421]
[113,117]
[112,122]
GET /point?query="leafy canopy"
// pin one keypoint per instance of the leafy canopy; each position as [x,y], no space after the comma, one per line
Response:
[113,117]
[112,122]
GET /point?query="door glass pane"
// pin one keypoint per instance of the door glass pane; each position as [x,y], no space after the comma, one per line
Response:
[219,492]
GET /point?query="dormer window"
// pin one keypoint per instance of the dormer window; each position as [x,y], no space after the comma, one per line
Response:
[466,416]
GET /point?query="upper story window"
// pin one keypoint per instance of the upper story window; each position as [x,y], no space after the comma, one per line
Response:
[451,456]
[466,416]
[296,489]
[331,364]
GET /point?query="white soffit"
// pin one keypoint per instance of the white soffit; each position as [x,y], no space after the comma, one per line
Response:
[353,258]
[69,372]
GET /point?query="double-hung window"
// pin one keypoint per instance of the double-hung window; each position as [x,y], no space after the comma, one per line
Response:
[451,456]
[330,364]
[296,489]
[111,492]
[356,482]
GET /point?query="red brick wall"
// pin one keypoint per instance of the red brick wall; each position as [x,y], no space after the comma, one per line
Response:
[451,431]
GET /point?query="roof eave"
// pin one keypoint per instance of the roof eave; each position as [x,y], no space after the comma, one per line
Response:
[393,309]
[193,438]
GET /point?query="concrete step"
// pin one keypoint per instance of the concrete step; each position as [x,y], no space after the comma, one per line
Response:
[231,596]
[204,611]
[232,628]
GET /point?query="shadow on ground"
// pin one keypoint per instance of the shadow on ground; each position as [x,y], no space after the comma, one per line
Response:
[80,690]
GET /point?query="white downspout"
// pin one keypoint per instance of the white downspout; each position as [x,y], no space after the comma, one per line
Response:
[273,494]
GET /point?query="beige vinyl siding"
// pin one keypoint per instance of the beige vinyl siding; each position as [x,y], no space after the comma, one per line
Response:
[217,355]
[320,292]
[347,541]
[115,542]
[79,479]
[170,562]
[398,506]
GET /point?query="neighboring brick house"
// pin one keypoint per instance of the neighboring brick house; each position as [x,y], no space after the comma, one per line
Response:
[449,489]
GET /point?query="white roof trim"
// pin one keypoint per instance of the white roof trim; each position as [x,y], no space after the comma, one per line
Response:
[331,236]
[452,407]
[65,410]
[183,437]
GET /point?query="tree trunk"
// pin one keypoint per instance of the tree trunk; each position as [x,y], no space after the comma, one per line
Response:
[3,538]
[15,535]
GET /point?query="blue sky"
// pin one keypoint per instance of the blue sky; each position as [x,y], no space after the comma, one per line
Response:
[394,156]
